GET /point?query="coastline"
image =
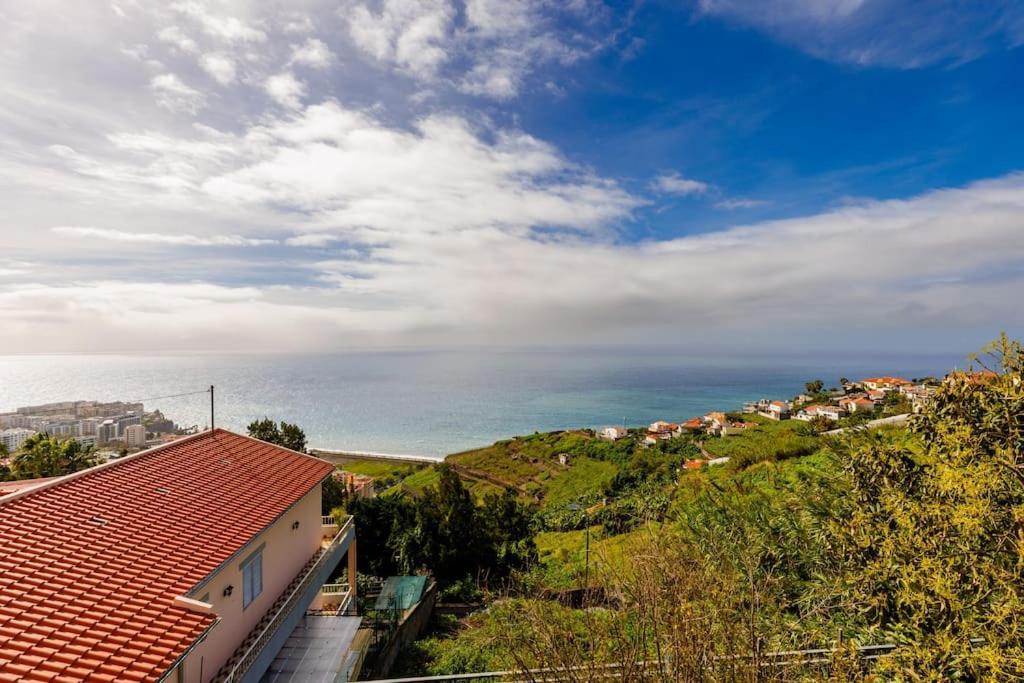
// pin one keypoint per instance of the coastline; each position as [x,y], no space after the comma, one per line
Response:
[343,455]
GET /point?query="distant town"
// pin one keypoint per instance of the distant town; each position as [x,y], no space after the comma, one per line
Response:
[849,404]
[114,428]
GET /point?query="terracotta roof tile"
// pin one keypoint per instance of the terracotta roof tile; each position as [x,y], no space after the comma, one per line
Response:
[90,564]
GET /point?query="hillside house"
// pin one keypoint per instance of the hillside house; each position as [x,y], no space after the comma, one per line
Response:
[612,433]
[775,410]
[189,562]
[853,404]
[826,411]
[886,383]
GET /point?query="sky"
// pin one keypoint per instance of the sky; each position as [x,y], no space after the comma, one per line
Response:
[317,175]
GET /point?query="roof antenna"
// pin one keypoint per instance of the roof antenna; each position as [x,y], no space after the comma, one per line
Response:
[211,407]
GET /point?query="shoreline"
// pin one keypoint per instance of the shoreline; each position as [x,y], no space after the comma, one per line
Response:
[342,455]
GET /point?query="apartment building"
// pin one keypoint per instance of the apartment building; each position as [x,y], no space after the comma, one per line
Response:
[190,562]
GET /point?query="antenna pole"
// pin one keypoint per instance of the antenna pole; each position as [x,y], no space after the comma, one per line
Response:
[211,407]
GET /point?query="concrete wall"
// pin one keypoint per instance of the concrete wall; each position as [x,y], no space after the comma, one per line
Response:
[285,552]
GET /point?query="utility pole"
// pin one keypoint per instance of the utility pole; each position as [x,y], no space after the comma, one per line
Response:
[211,407]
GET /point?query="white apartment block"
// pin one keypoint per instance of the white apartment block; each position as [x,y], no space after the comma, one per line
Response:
[14,437]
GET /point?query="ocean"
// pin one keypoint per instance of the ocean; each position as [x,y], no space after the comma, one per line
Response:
[438,402]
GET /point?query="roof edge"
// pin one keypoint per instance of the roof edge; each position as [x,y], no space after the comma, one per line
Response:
[283,448]
[57,481]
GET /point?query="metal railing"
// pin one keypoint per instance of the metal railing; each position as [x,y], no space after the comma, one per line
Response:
[257,645]
[771,659]
[328,520]
[334,588]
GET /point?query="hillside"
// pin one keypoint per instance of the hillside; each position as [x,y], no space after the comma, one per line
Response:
[530,466]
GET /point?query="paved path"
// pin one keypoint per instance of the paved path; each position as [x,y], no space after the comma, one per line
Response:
[874,424]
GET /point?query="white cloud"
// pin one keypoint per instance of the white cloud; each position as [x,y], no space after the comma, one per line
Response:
[173,94]
[412,34]
[368,175]
[488,49]
[174,36]
[297,23]
[180,239]
[313,53]
[673,183]
[285,89]
[740,203]
[893,33]
[219,66]
[937,273]
[226,28]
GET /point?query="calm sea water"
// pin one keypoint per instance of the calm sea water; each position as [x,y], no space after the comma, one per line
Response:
[436,402]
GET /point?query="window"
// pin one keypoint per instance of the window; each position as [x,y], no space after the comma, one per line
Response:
[252,578]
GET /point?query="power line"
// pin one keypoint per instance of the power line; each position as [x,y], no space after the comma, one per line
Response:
[157,398]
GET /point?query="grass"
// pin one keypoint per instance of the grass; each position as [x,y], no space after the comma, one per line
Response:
[416,482]
[768,441]
[583,476]
[530,465]
[382,468]
[563,553]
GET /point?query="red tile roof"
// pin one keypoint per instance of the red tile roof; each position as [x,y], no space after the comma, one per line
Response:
[885,380]
[90,565]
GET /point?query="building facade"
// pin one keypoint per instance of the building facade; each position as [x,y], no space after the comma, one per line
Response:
[189,562]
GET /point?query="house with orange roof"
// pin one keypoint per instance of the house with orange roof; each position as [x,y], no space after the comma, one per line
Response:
[694,424]
[191,561]
[886,383]
[828,412]
[852,404]
[775,410]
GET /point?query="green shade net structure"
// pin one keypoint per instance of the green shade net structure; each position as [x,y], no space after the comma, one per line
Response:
[400,592]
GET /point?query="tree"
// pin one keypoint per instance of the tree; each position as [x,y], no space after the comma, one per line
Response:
[333,495]
[42,455]
[935,538]
[287,435]
[843,381]
[814,386]
[445,532]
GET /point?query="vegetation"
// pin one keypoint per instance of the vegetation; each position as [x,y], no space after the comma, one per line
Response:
[284,434]
[910,536]
[444,531]
[530,466]
[42,455]
[771,441]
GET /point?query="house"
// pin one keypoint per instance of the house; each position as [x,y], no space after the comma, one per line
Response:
[918,394]
[852,404]
[663,430]
[731,428]
[885,383]
[775,410]
[713,421]
[191,561]
[358,485]
[695,464]
[612,433]
[877,395]
[694,424]
[828,412]
[803,398]
[563,459]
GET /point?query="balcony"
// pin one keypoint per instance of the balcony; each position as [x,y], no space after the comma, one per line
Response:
[255,655]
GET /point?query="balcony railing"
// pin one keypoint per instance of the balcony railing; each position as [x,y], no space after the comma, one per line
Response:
[283,608]
[328,520]
[334,588]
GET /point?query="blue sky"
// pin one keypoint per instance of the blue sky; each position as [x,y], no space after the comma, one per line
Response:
[406,173]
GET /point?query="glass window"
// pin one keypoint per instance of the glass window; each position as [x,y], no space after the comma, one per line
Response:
[252,578]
